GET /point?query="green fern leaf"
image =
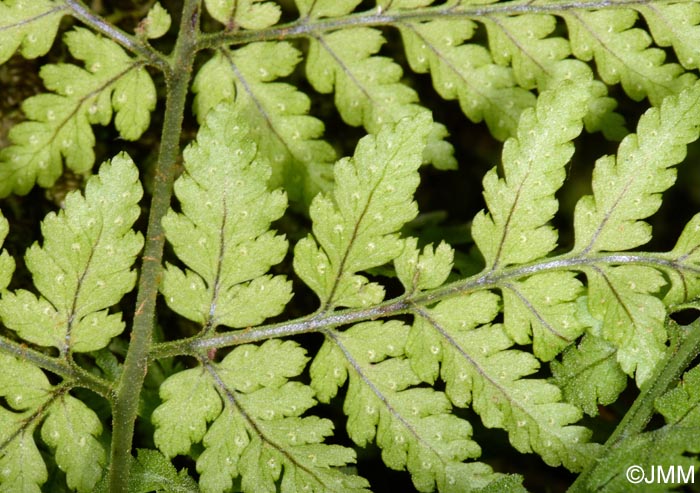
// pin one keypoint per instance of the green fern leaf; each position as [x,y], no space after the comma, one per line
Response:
[69,427]
[356,228]
[626,190]
[29,24]
[685,256]
[522,203]
[60,123]
[156,23]
[223,234]
[589,374]
[257,430]
[622,53]
[367,87]
[524,41]
[534,313]
[394,5]
[676,25]
[479,368]
[325,8]
[152,471]
[248,14]
[83,267]
[286,136]
[413,426]
[542,61]
[673,446]
[427,270]
[7,263]
[466,72]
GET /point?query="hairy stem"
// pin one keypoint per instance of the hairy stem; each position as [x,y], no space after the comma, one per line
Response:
[68,371]
[402,304]
[665,375]
[83,13]
[306,26]
[135,366]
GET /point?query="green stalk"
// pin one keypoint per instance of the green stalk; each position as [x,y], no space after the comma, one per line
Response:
[126,399]
[636,419]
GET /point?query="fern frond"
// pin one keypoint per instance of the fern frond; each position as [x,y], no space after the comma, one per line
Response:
[480,369]
[83,267]
[626,189]
[673,446]
[69,427]
[589,374]
[467,72]
[156,23]
[153,472]
[223,234]
[30,25]
[676,25]
[60,123]
[685,256]
[367,87]
[286,136]
[356,227]
[623,54]
[522,203]
[413,426]
[257,433]
[542,61]
[7,263]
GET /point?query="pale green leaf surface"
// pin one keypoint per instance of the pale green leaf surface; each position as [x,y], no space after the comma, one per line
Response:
[428,269]
[286,136]
[367,88]
[542,61]
[681,405]
[325,8]
[627,188]
[523,41]
[395,5]
[686,255]
[223,234]
[356,227]
[676,25]
[69,427]
[623,299]
[521,204]
[413,426]
[72,428]
[7,263]
[479,367]
[257,430]
[59,129]
[534,312]
[248,14]
[152,471]
[622,53]
[511,483]
[189,403]
[157,22]
[485,90]
[29,25]
[83,266]
[26,389]
[589,374]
